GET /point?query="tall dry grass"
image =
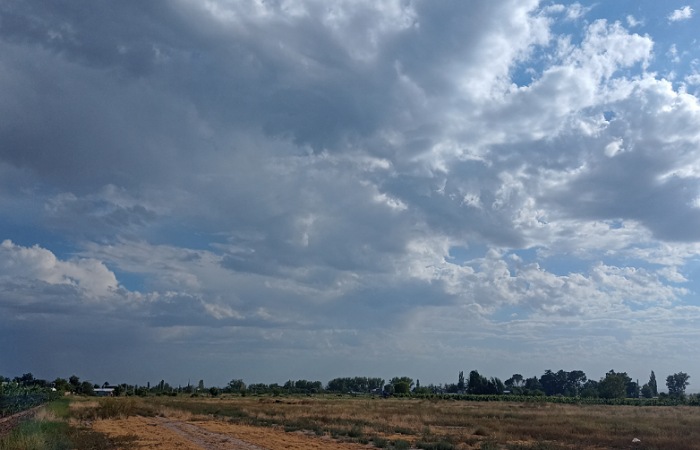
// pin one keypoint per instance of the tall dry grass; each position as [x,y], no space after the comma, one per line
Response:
[124,407]
[448,424]
[57,426]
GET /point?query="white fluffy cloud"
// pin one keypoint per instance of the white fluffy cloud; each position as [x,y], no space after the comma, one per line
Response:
[683,13]
[88,275]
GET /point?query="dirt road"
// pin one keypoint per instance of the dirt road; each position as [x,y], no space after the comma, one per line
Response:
[161,433]
[9,422]
[206,439]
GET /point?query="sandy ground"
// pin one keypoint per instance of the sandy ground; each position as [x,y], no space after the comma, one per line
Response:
[160,433]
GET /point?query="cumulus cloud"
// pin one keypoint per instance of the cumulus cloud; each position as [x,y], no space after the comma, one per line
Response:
[681,14]
[575,11]
[632,21]
[88,275]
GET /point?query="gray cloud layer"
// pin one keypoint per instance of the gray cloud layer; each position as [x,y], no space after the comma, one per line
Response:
[341,181]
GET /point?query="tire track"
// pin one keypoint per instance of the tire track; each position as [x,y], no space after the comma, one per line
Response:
[206,439]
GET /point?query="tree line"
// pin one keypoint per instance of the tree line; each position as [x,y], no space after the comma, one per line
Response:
[575,383]
[564,383]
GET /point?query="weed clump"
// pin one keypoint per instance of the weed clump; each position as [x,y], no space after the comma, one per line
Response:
[401,444]
[440,445]
[380,442]
[355,432]
[37,434]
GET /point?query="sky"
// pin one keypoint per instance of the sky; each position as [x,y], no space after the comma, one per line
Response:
[282,189]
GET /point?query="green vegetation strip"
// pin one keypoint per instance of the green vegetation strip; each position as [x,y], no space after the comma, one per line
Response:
[38,434]
[50,430]
[22,399]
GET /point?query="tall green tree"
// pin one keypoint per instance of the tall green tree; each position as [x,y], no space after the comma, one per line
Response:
[26,379]
[460,383]
[533,386]
[86,388]
[589,389]
[614,385]
[75,383]
[477,383]
[632,389]
[515,381]
[555,383]
[495,386]
[677,383]
[652,385]
[405,382]
[61,384]
[575,382]
[355,384]
[402,385]
[307,387]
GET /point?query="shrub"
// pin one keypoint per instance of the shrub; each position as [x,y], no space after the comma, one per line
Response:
[481,432]
[441,445]
[380,442]
[489,445]
[400,444]
[355,432]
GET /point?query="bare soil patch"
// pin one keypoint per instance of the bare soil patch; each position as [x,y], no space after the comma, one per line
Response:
[161,433]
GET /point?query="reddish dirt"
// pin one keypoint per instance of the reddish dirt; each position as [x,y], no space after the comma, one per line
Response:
[160,433]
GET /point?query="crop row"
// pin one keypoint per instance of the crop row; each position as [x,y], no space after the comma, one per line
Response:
[14,403]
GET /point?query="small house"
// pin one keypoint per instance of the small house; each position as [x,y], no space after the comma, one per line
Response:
[104,392]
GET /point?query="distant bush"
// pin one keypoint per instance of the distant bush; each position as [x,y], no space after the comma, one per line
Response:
[400,444]
[355,432]
[115,408]
[441,445]
[380,442]
[489,445]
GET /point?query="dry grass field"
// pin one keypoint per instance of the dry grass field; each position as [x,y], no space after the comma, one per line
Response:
[353,423]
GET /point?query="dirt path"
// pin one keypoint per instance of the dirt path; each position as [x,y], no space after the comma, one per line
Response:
[162,433]
[10,422]
[208,440]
